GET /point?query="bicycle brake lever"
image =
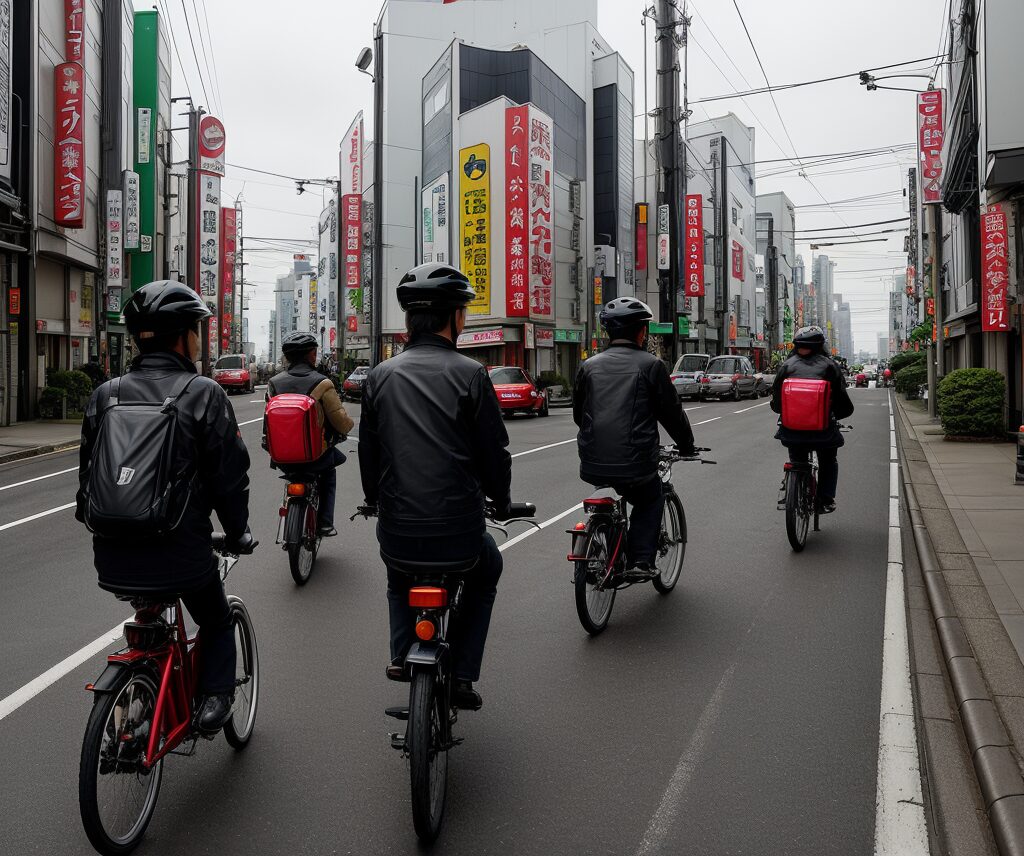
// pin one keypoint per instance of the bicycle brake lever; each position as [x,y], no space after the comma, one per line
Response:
[706,461]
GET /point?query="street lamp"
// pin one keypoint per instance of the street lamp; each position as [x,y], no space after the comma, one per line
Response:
[363,60]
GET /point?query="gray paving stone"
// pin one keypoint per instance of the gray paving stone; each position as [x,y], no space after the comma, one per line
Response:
[958,569]
[1011,711]
[917,597]
[920,473]
[996,654]
[929,496]
[942,530]
[927,657]
[934,697]
[972,602]
[1014,626]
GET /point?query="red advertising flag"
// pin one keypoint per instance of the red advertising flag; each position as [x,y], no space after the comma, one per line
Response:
[351,249]
[542,245]
[74,30]
[737,260]
[228,247]
[930,134]
[641,236]
[69,146]
[517,292]
[995,315]
[693,243]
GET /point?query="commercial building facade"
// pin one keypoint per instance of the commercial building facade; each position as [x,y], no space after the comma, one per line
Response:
[776,218]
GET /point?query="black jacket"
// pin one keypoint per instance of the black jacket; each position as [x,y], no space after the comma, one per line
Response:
[814,367]
[211,442]
[432,443]
[620,397]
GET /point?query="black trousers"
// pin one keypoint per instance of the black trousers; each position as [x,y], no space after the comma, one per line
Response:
[828,467]
[325,468]
[647,501]
[467,633]
[208,607]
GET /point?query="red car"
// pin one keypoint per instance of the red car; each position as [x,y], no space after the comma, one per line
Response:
[861,380]
[517,393]
[232,372]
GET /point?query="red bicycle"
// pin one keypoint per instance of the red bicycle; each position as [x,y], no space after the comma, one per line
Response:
[144,706]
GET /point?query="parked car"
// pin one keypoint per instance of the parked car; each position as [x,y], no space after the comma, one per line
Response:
[687,373]
[763,383]
[352,386]
[517,392]
[728,377]
[234,374]
[861,380]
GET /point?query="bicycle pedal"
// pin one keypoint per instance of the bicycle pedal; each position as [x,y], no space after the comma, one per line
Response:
[397,741]
[397,712]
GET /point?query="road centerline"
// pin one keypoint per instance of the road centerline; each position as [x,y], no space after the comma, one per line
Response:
[39,478]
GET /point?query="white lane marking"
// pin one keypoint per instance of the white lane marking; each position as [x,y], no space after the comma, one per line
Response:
[40,478]
[745,409]
[661,823]
[698,407]
[250,421]
[900,828]
[46,513]
[522,536]
[52,675]
[706,421]
[256,400]
[542,448]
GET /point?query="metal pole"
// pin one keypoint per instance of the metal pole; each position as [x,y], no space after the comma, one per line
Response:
[647,150]
[192,235]
[341,313]
[940,350]
[377,278]
[726,268]
[668,143]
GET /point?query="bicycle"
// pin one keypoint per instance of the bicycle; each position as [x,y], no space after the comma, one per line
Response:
[143,710]
[598,547]
[297,531]
[799,498]
[431,716]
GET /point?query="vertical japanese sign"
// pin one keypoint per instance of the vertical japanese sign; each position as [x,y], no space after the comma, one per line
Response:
[327,269]
[434,208]
[143,134]
[930,134]
[69,146]
[208,209]
[995,270]
[517,244]
[80,300]
[351,157]
[228,249]
[737,260]
[212,139]
[663,238]
[641,236]
[351,212]
[130,188]
[694,246]
[313,294]
[5,89]
[74,30]
[115,247]
[475,223]
[542,259]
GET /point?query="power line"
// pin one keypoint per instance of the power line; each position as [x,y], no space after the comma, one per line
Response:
[852,153]
[206,59]
[174,42]
[195,56]
[216,71]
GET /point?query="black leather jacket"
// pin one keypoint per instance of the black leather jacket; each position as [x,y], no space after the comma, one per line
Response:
[816,366]
[209,442]
[620,397]
[432,443]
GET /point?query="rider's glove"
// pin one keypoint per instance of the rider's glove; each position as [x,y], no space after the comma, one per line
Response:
[502,511]
[243,545]
[686,452]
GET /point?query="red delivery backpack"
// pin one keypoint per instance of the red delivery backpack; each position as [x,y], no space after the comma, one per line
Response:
[806,404]
[295,434]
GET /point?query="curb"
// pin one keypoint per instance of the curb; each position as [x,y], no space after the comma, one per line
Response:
[35,451]
[988,743]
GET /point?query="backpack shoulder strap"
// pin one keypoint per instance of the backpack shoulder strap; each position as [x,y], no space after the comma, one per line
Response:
[115,393]
[179,390]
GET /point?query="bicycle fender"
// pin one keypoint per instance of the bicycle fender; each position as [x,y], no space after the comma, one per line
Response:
[426,653]
[108,680]
[294,521]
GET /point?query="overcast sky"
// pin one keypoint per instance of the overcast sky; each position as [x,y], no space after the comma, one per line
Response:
[286,88]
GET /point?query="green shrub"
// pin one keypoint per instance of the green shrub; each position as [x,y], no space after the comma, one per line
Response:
[909,378]
[971,403]
[550,378]
[77,384]
[51,402]
[904,359]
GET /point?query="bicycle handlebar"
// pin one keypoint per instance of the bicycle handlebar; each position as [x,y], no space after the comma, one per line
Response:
[669,455]
[519,512]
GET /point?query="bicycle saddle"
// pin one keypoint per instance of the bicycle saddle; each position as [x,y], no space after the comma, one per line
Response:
[428,569]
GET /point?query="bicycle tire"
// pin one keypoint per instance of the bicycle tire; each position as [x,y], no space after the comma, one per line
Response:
[594,620]
[797,518]
[666,579]
[238,729]
[302,553]
[104,840]
[425,737]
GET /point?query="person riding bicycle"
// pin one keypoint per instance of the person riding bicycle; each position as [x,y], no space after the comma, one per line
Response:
[620,397]
[164,319]
[301,377]
[809,361]
[432,447]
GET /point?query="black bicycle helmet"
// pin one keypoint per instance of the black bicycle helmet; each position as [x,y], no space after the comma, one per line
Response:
[164,306]
[809,337]
[623,313]
[434,285]
[298,342]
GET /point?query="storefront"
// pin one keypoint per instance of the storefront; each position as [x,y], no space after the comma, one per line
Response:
[567,343]
[492,346]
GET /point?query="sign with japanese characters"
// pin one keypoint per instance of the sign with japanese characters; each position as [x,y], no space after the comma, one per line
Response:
[327,269]
[211,145]
[208,238]
[351,157]
[517,244]
[351,213]
[130,188]
[6,162]
[541,224]
[995,270]
[69,146]
[930,134]
[664,244]
[74,30]
[475,338]
[475,223]
[144,132]
[434,208]
[737,260]
[228,248]
[545,337]
[641,236]
[313,297]
[115,240]
[80,306]
[529,336]
[693,238]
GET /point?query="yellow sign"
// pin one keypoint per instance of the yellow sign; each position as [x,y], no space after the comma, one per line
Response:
[598,291]
[475,223]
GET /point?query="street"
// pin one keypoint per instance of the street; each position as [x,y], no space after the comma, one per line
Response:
[739,714]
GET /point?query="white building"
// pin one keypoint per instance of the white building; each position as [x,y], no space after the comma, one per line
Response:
[776,214]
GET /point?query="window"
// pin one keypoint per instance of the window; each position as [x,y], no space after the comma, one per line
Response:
[231,362]
[500,376]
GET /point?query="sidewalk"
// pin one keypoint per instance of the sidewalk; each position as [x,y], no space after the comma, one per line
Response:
[976,482]
[27,439]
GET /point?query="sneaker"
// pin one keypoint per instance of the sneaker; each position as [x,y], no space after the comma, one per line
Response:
[213,713]
[396,671]
[640,572]
[464,697]
[827,506]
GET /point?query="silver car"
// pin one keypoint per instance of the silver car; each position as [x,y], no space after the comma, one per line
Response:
[687,373]
[729,377]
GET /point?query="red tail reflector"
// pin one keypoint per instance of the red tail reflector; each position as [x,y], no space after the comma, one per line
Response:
[428,597]
[296,489]
[579,527]
[425,629]
[598,502]
[283,510]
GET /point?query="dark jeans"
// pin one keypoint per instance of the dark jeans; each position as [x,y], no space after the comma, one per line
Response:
[325,468]
[208,607]
[828,468]
[467,633]
[647,501]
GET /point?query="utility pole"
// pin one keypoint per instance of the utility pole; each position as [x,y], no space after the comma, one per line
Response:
[771,298]
[723,235]
[192,232]
[935,349]
[667,22]
[377,274]
[238,297]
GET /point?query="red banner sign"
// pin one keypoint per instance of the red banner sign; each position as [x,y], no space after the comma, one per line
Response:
[542,245]
[69,146]
[352,323]
[74,30]
[352,217]
[995,315]
[930,134]
[641,236]
[228,246]
[517,292]
[929,305]
[693,242]
[737,260]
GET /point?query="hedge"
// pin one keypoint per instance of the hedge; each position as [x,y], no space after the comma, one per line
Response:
[904,359]
[78,384]
[971,403]
[909,378]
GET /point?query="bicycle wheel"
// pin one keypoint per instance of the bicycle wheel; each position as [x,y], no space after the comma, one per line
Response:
[425,741]
[797,511]
[302,553]
[593,605]
[671,544]
[116,794]
[238,729]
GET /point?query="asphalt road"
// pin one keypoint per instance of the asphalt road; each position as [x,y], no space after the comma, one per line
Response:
[737,715]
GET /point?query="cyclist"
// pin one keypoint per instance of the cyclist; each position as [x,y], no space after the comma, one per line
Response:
[808,360]
[301,377]
[432,446]
[620,397]
[164,319]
